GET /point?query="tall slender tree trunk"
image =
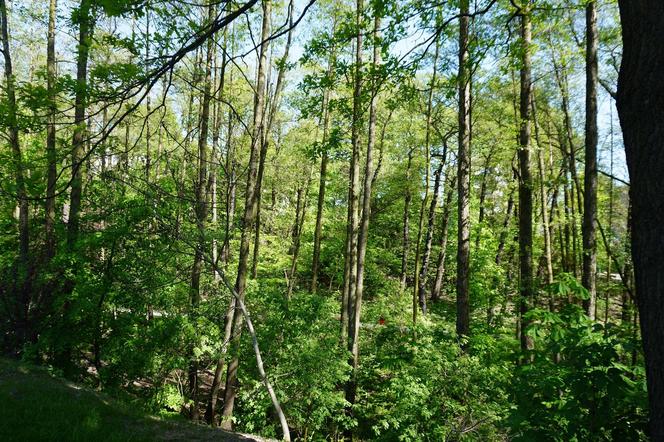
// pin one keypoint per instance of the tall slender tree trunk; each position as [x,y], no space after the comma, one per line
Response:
[201,212]
[320,206]
[641,109]
[148,104]
[483,188]
[440,264]
[231,186]
[463,180]
[318,230]
[217,119]
[590,176]
[248,219]
[272,111]
[425,197]
[543,198]
[526,289]
[51,157]
[350,259]
[428,241]
[405,241]
[363,234]
[300,211]
[86,26]
[22,279]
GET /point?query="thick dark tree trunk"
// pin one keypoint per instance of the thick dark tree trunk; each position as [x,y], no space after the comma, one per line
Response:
[641,110]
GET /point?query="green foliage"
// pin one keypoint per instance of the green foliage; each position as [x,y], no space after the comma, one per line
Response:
[579,386]
[426,389]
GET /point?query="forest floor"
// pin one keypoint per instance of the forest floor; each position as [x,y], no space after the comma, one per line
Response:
[37,406]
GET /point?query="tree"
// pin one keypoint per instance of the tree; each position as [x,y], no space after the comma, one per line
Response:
[50,136]
[463,180]
[85,20]
[526,288]
[590,176]
[200,210]
[248,218]
[641,109]
[363,233]
[21,281]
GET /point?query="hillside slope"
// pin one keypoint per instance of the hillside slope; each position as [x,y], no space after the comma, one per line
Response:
[35,406]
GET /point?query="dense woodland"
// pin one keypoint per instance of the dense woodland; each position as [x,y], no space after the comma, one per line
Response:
[335,220]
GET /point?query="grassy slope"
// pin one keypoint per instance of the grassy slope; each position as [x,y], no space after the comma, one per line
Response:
[35,406]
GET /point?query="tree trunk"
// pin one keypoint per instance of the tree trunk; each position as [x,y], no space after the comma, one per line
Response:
[51,157]
[463,180]
[318,231]
[641,110]
[363,234]
[543,199]
[350,258]
[300,210]
[590,177]
[440,264]
[211,408]
[248,219]
[23,294]
[526,289]
[405,242]
[231,186]
[201,211]
[425,198]
[274,106]
[483,185]
[86,26]
[428,241]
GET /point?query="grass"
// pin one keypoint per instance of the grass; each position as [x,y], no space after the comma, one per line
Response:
[36,406]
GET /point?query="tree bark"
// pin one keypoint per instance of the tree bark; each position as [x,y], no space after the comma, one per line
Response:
[51,158]
[350,258]
[425,198]
[405,241]
[86,27]
[463,180]
[272,111]
[428,241]
[440,264]
[23,294]
[300,211]
[318,230]
[590,177]
[363,233]
[201,212]
[543,199]
[526,289]
[248,220]
[641,110]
